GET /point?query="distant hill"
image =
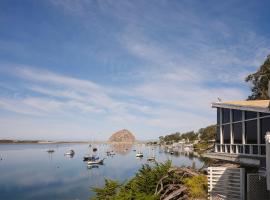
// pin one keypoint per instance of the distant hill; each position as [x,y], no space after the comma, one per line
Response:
[122,136]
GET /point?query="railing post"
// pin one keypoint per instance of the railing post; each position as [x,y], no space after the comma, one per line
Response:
[267,155]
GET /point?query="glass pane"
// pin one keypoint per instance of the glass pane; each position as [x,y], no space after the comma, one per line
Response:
[264,114]
[250,115]
[218,135]
[225,115]
[265,127]
[237,115]
[237,133]
[251,132]
[226,134]
[262,150]
[218,115]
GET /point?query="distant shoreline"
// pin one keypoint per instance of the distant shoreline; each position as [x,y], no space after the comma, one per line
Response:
[45,142]
[6,141]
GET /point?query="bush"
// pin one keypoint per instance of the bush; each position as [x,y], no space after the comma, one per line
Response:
[197,186]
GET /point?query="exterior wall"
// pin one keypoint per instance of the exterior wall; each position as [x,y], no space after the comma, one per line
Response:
[252,140]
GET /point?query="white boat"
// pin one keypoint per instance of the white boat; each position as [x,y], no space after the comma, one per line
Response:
[96,162]
[139,155]
[151,157]
[70,152]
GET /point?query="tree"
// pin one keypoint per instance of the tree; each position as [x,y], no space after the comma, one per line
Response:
[208,133]
[109,190]
[260,81]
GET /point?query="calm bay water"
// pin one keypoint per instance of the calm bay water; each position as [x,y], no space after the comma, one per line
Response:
[27,171]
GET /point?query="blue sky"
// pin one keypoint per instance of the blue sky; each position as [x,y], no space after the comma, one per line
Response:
[85,69]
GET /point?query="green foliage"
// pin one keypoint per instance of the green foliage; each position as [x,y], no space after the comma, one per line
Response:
[208,133]
[197,186]
[259,81]
[175,137]
[108,191]
[142,186]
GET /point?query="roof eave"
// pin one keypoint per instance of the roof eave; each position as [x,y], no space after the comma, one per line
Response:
[240,107]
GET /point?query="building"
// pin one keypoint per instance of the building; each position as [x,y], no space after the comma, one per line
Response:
[242,127]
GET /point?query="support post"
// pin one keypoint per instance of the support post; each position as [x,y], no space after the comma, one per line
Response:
[267,145]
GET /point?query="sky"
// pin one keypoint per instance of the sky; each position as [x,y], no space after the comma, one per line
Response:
[83,69]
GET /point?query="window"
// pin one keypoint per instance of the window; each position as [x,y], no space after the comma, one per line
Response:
[264,114]
[237,115]
[226,133]
[250,115]
[265,127]
[262,150]
[251,132]
[218,135]
[225,115]
[237,133]
[218,115]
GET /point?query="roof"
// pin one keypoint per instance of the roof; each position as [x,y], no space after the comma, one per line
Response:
[252,105]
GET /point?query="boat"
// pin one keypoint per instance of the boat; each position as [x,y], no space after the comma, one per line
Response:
[96,162]
[139,155]
[50,151]
[151,157]
[92,166]
[110,153]
[89,158]
[71,152]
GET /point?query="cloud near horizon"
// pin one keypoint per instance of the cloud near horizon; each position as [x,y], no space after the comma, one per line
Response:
[151,68]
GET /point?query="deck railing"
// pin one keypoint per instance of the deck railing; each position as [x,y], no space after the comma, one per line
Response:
[242,149]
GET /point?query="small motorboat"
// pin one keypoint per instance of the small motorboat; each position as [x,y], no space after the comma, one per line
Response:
[151,159]
[70,152]
[92,166]
[50,151]
[110,153]
[139,155]
[90,158]
[96,162]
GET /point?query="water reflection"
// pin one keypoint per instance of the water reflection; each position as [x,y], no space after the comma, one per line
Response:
[121,148]
[29,172]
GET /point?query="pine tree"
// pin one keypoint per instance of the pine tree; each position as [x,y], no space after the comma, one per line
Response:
[260,81]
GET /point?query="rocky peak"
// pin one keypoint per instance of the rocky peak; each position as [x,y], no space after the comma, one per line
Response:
[122,136]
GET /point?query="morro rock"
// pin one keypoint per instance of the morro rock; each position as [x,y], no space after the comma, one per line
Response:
[122,136]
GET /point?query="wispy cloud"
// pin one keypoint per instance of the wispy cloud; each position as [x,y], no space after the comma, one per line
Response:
[150,67]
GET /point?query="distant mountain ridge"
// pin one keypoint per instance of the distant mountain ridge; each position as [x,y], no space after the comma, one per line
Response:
[122,136]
